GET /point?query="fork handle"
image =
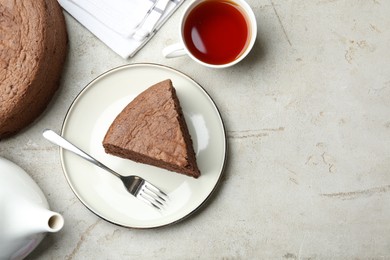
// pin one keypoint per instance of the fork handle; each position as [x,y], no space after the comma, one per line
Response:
[65,144]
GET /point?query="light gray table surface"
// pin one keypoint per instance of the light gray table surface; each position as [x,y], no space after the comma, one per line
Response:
[307,116]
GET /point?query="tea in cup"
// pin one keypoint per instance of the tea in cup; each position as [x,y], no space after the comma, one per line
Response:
[215,33]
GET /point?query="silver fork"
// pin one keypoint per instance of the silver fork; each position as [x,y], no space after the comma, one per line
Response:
[135,185]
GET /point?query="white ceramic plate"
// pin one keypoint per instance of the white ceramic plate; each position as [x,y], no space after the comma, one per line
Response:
[87,121]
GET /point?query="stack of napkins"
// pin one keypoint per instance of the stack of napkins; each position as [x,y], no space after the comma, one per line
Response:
[123,25]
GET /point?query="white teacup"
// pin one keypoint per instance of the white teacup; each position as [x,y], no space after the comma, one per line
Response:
[216,41]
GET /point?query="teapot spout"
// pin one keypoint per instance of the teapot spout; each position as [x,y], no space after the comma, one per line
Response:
[23,227]
[31,219]
[50,221]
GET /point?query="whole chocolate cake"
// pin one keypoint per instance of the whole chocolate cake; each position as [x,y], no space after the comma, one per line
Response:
[151,129]
[33,47]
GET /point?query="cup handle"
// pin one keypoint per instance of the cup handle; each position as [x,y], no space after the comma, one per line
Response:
[174,50]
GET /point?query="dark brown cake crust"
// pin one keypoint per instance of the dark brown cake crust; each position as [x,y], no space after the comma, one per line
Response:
[33,47]
[152,130]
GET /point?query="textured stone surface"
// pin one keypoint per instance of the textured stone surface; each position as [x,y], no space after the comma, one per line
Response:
[308,123]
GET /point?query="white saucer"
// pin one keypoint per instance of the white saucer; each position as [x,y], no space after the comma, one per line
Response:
[87,121]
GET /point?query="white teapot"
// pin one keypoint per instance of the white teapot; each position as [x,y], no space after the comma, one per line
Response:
[24,213]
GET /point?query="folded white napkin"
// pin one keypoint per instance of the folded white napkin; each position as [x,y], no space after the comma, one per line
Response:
[123,25]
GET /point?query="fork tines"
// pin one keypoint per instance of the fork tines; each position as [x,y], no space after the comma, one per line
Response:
[153,196]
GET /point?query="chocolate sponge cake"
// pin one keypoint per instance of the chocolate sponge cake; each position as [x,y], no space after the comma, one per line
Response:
[152,130]
[33,47]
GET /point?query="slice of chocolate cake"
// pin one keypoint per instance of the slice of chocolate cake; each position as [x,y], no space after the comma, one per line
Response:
[152,130]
